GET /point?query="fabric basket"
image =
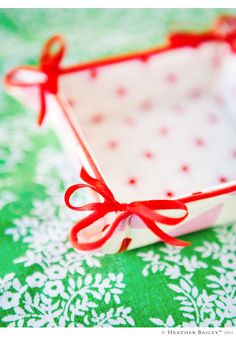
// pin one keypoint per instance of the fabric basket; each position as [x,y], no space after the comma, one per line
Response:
[152,132]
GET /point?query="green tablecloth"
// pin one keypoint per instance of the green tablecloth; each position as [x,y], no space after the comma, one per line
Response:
[43,282]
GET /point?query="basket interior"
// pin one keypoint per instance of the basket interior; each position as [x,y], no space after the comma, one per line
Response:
[161,128]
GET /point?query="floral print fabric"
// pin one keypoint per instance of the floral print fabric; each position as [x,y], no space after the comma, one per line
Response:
[43,281]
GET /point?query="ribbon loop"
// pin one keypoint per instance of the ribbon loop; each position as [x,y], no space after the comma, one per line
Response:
[70,192]
[145,210]
[45,76]
[26,76]
[99,187]
[53,52]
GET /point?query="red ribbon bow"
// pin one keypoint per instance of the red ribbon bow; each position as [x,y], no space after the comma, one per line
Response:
[45,76]
[145,210]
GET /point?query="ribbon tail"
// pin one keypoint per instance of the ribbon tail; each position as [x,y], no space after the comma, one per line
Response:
[42,112]
[164,236]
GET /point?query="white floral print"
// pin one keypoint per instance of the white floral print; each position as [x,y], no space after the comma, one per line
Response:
[56,272]
[36,280]
[53,288]
[9,300]
[63,295]
[59,305]
[199,308]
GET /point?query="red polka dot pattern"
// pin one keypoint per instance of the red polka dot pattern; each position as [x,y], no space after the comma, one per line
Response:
[148,155]
[159,128]
[199,142]
[185,168]
[97,118]
[223,179]
[234,153]
[132,181]
[146,105]
[121,91]
[113,144]
[169,194]
[171,78]
[163,131]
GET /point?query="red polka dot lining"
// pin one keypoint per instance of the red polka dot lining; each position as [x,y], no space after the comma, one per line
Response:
[163,131]
[169,194]
[199,142]
[112,144]
[97,118]
[223,179]
[148,155]
[185,168]
[213,118]
[171,78]
[132,181]
[234,153]
[146,105]
[129,121]
[159,133]
[121,92]
[195,93]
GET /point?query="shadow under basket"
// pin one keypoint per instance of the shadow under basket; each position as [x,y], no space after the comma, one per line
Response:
[154,129]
